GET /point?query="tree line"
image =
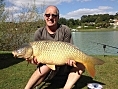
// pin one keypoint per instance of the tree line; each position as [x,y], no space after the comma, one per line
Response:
[99,20]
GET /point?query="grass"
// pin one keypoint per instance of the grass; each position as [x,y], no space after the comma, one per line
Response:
[14,74]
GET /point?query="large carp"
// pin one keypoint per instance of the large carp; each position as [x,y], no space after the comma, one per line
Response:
[54,53]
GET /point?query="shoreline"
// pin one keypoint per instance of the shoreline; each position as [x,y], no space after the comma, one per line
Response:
[96,30]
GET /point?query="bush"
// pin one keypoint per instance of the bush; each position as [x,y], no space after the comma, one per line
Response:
[16,31]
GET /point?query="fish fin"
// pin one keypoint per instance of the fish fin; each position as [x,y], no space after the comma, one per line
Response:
[51,66]
[90,68]
[28,63]
[96,61]
[90,65]
[99,62]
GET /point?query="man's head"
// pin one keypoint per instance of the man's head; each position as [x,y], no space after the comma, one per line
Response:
[51,15]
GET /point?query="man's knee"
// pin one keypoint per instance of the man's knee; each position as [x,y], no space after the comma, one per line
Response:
[80,68]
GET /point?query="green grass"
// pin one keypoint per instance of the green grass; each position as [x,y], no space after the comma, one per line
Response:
[14,74]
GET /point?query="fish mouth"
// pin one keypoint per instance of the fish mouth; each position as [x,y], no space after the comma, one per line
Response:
[14,54]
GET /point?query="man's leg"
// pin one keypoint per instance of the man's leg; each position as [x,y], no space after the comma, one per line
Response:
[74,75]
[37,77]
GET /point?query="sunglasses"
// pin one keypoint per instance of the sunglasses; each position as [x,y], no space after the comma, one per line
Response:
[53,15]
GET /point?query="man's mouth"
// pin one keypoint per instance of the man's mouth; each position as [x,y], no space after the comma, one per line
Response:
[51,20]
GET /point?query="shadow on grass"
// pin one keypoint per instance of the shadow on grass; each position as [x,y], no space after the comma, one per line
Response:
[84,80]
[7,59]
[59,82]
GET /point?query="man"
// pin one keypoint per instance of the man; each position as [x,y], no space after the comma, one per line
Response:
[57,32]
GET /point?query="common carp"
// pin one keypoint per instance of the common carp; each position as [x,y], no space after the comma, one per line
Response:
[54,53]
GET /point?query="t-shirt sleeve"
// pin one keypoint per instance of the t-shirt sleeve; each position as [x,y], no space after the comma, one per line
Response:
[37,34]
[68,35]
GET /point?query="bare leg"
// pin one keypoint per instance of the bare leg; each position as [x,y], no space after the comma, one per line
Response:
[37,76]
[74,75]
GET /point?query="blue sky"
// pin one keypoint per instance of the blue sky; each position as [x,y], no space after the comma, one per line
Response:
[68,8]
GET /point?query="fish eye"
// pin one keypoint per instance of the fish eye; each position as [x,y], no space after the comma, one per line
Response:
[20,50]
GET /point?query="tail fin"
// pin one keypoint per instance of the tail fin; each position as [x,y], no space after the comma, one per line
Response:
[90,65]
[90,68]
[96,61]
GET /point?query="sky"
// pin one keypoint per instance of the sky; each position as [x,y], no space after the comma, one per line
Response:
[68,8]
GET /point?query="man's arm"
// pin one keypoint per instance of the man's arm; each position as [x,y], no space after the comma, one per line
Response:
[68,35]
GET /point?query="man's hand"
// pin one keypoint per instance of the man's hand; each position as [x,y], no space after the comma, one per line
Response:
[71,63]
[33,61]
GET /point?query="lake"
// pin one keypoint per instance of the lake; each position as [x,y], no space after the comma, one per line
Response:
[87,42]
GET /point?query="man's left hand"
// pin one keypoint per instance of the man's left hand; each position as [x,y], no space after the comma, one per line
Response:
[71,63]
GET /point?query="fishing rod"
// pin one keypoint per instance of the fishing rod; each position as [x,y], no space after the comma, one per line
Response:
[104,45]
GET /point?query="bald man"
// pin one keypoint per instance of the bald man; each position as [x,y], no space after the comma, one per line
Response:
[53,31]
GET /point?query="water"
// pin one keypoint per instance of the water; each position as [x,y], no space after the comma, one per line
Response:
[87,42]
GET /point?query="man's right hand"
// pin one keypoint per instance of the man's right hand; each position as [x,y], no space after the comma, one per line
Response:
[33,61]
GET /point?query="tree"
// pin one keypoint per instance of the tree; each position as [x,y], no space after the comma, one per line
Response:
[71,22]
[98,20]
[1,7]
[63,21]
[116,15]
[77,22]
[84,18]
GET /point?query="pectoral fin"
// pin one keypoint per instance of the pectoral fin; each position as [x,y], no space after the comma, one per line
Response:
[51,66]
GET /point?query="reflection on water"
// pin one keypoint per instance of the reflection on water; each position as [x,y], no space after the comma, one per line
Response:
[86,42]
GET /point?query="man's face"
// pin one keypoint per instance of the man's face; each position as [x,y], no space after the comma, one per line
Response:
[51,17]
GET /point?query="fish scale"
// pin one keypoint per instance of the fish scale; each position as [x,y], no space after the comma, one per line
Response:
[54,53]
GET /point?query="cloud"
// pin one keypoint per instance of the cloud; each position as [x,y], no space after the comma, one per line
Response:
[86,11]
[83,0]
[19,6]
[104,7]
[37,2]
[12,9]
